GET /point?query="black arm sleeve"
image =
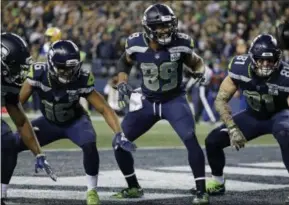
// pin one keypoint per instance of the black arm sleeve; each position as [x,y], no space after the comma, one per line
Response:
[123,65]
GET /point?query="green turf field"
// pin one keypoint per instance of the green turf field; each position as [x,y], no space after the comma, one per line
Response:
[161,135]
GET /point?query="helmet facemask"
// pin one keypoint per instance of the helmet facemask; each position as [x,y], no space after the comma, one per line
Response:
[265,66]
[161,32]
[66,74]
[16,74]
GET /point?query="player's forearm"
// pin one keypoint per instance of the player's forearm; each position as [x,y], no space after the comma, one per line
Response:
[29,138]
[195,63]
[200,66]
[223,108]
[122,77]
[111,119]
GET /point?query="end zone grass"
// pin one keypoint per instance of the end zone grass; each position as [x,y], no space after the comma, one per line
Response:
[161,135]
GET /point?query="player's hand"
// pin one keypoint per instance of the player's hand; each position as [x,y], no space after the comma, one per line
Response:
[120,141]
[237,138]
[124,92]
[41,163]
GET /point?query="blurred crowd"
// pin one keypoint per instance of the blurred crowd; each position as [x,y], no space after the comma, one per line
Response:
[220,28]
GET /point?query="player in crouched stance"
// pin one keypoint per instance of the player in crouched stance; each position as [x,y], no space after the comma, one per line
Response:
[15,62]
[160,52]
[264,81]
[60,82]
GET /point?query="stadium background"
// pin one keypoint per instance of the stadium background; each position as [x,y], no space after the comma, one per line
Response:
[220,29]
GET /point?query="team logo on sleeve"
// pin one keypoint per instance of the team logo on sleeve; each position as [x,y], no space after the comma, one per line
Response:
[273,89]
[175,56]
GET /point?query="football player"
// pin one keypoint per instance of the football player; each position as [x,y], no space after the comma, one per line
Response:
[59,84]
[160,52]
[264,81]
[15,62]
[282,33]
[51,34]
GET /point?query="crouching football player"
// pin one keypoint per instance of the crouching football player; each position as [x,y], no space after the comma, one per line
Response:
[15,62]
[60,82]
[264,81]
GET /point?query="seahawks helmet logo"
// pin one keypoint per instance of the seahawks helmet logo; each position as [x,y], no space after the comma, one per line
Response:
[4,52]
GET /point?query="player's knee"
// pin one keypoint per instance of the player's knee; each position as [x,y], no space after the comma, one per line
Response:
[214,137]
[9,141]
[89,149]
[281,132]
[189,135]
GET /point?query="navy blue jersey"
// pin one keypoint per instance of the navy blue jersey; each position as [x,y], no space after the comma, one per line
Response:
[60,102]
[9,92]
[265,97]
[162,70]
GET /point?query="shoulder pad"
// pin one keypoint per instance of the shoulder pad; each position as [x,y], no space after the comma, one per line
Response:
[240,64]
[136,43]
[183,43]
[36,70]
[86,77]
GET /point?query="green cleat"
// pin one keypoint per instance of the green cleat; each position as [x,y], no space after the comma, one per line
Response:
[92,197]
[129,193]
[214,187]
[201,199]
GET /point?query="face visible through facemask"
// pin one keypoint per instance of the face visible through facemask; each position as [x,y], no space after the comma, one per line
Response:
[265,67]
[163,33]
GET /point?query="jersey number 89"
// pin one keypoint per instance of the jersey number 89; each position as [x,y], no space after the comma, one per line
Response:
[167,71]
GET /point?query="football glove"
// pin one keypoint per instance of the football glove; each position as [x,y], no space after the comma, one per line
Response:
[202,78]
[41,163]
[124,92]
[237,139]
[120,141]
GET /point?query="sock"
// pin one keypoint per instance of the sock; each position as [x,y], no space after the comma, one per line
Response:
[216,141]
[90,159]
[283,139]
[91,182]
[125,162]
[219,179]
[4,188]
[197,162]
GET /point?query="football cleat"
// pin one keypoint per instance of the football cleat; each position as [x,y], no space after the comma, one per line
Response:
[201,199]
[92,197]
[129,193]
[214,187]
[287,201]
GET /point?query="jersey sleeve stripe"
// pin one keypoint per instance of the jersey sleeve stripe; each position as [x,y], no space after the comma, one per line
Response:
[239,77]
[178,49]
[38,84]
[136,49]
[85,90]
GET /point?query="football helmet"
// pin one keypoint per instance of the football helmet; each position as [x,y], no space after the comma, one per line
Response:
[15,58]
[160,23]
[53,34]
[265,55]
[64,61]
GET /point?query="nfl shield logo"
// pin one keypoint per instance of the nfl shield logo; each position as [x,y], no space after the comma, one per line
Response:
[157,56]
